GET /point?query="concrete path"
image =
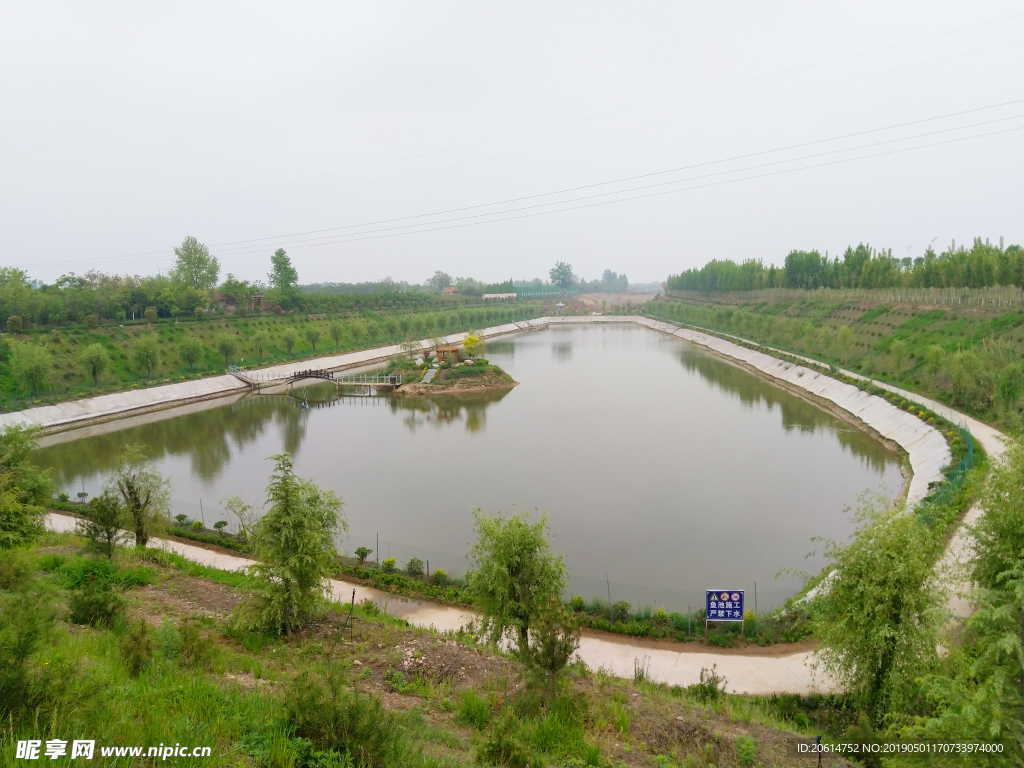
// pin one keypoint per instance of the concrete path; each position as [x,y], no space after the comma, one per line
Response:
[926,449]
[958,551]
[755,674]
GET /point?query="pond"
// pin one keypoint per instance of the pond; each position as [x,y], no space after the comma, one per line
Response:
[665,470]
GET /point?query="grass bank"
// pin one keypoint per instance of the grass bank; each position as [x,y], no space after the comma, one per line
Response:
[970,357]
[179,350]
[160,662]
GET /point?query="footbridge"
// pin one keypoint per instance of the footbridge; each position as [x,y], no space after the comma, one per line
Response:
[257,380]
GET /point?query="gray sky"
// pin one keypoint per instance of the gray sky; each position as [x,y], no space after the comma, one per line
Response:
[125,127]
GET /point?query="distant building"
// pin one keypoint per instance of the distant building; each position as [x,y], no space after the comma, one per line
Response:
[449,291]
[487,296]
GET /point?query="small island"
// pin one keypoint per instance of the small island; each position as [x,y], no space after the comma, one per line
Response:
[477,375]
[452,370]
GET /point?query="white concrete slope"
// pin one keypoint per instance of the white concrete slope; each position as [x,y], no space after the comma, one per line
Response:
[925,446]
[926,449]
[75,413]
[755,675]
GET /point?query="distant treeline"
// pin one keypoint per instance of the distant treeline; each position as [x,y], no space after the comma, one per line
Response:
[387,285]
[980,266]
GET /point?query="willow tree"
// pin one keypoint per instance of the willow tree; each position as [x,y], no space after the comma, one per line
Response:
[516,578]
[295,549]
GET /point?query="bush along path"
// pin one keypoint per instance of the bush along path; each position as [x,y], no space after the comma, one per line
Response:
[756,672]
[145,648]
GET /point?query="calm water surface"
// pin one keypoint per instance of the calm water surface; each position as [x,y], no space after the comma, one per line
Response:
[665,470]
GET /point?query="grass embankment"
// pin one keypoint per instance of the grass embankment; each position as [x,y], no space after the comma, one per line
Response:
[478,375]
[194,348]
[969,357]
[359,690]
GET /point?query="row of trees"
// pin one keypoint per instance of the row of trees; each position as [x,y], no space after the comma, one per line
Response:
[980,266]
[191,287]
[31,363]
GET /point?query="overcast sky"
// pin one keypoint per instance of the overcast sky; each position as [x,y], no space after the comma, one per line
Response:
[323,127]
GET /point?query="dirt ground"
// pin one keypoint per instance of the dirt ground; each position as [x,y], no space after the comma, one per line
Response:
[633,722]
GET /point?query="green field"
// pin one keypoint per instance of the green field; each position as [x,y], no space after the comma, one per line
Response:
[253,340]
[970,357]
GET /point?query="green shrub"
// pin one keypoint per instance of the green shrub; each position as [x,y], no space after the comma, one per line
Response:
[196,648]
[414,567]
[332,716]
[745,754]
[14,324]
[710,688]
[472,710]
[137,648]
[621,611]
[440,576]
[502,747]
[388,565]
[96,604]
[577,603]
[91,321]
[17,567]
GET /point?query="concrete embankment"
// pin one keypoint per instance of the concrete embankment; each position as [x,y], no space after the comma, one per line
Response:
[90,410]
[752,674]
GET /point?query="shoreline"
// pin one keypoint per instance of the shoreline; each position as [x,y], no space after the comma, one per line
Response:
[926,450]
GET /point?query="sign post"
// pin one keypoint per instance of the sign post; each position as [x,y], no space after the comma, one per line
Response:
[723,605]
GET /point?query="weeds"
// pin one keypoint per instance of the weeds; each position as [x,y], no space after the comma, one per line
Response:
[96,604]
[137,648]
[472,710]
[745,754]
[710,688]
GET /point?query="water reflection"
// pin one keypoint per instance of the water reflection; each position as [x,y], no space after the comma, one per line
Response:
[562,351]
[208,438]
[797,413]
[446,410]
[670,469]
[501,348]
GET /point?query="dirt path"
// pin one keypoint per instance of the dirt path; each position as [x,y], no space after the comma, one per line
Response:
[752,673]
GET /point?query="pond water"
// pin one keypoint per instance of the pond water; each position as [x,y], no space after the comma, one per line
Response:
[665,470]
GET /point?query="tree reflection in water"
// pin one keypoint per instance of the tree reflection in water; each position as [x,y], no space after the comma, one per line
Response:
[797,413]
[210,436]
[444,410]
[206,437]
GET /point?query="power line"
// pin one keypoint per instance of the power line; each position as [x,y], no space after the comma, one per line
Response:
[632,178]
[586,119]
[607,133]
[357,237]
[136,256]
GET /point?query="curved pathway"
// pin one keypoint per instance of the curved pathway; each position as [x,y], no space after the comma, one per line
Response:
[753,674]
[757,675]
